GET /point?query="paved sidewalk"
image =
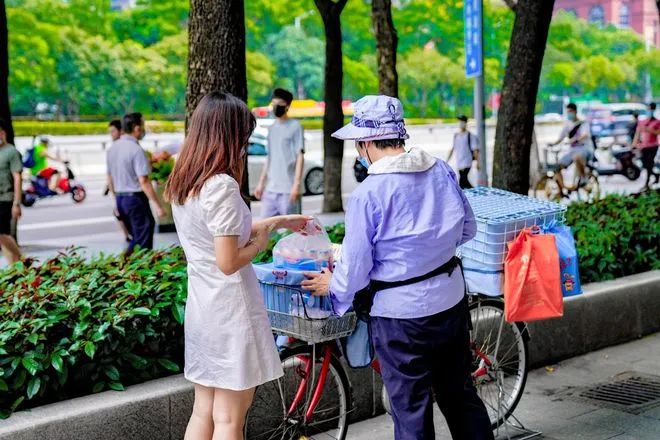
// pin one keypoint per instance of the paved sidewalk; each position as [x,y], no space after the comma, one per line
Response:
[543,408]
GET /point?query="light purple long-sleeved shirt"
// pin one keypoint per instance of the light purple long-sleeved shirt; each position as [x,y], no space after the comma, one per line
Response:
[402,222]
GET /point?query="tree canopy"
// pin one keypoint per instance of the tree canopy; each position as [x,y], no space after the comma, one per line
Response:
[89,60]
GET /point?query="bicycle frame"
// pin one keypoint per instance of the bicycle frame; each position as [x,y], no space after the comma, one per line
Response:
[328,351]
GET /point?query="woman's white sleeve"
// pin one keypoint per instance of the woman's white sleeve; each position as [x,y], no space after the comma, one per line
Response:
[220,199]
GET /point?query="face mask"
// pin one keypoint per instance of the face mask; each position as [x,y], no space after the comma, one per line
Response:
[571,116]
[279,110]
[364,162]
[462,125]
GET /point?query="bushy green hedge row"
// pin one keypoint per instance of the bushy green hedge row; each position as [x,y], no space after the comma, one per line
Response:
[616,236]
[73,326]
[35,128]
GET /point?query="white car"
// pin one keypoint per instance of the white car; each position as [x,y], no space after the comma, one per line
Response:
[257,152]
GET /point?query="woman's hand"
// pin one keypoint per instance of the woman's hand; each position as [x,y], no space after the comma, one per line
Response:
[260,239]
[295,223]
[318,283]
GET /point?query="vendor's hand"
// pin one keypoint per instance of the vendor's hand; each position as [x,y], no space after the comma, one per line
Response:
[295,223]
[318,283]
[259,192]
[295,194]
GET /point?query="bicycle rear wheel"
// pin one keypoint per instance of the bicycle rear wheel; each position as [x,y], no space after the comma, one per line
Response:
[269,417]
[501,359]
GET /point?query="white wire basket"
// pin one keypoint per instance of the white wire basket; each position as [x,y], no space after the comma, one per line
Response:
[500,216]
[305,317]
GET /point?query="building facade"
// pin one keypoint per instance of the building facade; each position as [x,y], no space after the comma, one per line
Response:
[638,15]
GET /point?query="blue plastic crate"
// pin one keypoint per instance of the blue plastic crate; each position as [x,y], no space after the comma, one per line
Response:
[500,216]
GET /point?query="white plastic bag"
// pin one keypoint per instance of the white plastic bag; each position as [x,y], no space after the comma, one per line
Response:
[309,249]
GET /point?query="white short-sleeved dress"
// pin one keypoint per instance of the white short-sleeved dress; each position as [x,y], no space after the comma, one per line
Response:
[228,340]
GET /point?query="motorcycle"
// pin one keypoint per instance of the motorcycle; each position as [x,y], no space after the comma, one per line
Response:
[624,164]
[39,189]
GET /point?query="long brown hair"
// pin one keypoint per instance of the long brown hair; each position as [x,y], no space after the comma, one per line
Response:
[217,138]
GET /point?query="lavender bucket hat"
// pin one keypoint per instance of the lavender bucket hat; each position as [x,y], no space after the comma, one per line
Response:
[375,117]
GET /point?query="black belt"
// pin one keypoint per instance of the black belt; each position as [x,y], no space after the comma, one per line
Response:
[125,194]
[364,299]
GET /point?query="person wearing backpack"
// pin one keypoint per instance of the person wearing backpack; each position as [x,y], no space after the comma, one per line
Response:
[11,167]
[466,147]
[580,153]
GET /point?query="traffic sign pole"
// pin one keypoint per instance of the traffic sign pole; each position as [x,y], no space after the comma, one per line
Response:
[474,68]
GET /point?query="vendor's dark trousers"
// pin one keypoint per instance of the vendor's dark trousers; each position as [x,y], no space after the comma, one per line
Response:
[428,355]
[463,180]
[136,214]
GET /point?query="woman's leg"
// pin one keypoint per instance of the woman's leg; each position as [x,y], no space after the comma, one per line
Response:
[200,426]
[229,411]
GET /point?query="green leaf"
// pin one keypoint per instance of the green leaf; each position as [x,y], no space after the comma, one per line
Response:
[169,365]
[90,349]
[98,387]
[112,372]
[56,362]
[33,387]
[17,403]
[33,338]
[3,385]
[30,365]
[3,351]
[179,312]
[116,386]
[141,311]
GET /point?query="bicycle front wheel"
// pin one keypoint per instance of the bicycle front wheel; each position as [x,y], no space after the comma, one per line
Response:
[280,406]
[501,359]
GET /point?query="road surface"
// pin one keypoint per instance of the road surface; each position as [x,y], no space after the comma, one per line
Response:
[58,221]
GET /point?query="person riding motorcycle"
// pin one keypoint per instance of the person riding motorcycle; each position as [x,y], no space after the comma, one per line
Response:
[41,166]
[580,153]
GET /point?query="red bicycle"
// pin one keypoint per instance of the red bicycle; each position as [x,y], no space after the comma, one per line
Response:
[313,400]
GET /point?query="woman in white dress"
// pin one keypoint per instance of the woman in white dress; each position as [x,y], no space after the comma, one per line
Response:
[229,347]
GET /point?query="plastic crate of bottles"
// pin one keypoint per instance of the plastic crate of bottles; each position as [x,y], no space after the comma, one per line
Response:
[500,216]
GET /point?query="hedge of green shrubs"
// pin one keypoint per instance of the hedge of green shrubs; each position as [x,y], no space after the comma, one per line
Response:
[617,235]
[35,128]
[73,326]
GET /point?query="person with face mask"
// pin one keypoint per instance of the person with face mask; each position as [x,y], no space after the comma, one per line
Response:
[128,178]
[580,153]
[281,177]
[403,225]
[466,148]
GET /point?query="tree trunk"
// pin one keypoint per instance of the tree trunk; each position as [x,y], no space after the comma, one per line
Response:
[386,45]
[216,54]
[5,112]
[515,122]
[333,118]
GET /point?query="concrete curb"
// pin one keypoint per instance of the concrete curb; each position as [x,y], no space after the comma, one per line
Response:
[608,313]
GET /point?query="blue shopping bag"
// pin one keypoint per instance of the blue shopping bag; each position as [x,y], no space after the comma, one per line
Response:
[357,347]
[568,258]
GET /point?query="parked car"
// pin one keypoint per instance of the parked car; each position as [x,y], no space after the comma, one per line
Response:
[622,116]
[600,121]
[548,117]
[257,152]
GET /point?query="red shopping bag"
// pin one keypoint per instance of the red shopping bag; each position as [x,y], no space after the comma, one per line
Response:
[532,282]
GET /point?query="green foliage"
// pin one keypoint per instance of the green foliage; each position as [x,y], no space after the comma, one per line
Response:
[617,235]
[87,59]
[161,170]
[73,326]
[35,128]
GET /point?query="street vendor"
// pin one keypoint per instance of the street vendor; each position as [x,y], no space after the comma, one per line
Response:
[403,225]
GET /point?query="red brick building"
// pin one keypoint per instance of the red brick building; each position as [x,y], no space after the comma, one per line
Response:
[638,15]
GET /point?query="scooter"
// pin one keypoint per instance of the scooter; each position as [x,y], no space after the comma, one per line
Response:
[624,164]
[39,189]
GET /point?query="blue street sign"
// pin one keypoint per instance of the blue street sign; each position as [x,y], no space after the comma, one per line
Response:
[473,39]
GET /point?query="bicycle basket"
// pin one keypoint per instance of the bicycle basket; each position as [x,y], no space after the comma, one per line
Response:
[293,312]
